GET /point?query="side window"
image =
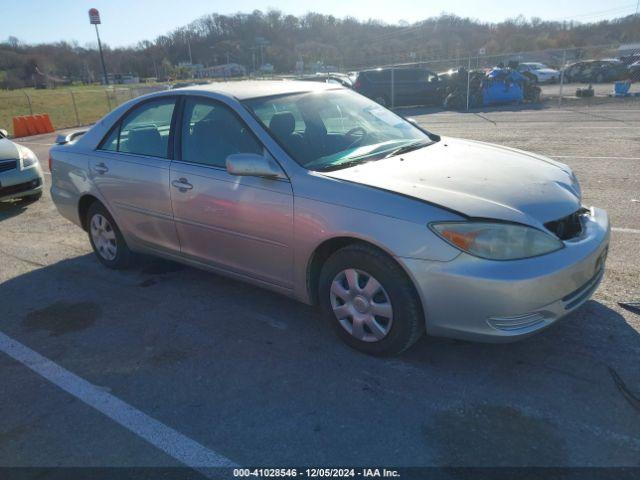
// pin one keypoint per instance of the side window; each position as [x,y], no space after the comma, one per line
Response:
[410,75]
[211,132]
[145,130]
[111,142]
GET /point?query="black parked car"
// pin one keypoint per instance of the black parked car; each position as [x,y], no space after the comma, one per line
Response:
[634,71]
[596,71]
[412,86]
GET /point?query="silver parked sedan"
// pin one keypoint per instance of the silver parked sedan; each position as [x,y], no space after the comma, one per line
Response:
[20,172]
[316,192]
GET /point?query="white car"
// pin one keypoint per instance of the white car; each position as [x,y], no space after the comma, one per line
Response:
[542,73]
[20,172]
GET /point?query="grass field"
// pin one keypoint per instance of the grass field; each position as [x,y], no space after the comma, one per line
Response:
[91,103]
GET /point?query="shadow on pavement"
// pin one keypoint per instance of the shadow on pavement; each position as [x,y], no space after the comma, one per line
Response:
[9,209]
[197,350]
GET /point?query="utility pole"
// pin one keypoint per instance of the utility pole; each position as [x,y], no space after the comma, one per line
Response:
[94,19]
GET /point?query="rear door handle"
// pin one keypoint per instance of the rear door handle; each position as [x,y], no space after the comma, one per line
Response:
[101,168]
[182,184]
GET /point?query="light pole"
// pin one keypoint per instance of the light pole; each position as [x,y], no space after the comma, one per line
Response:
[94,19]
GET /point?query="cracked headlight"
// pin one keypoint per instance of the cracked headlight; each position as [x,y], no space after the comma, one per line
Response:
[497,241]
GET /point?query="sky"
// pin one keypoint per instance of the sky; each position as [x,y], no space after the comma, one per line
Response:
[125,22]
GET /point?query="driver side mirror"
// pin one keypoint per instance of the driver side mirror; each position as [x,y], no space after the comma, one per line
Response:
[253,165]
[4,133]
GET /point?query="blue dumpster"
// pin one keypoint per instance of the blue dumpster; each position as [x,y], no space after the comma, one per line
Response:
[621,89]
[502,86]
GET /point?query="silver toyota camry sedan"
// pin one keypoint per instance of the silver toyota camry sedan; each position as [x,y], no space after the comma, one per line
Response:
[319,193]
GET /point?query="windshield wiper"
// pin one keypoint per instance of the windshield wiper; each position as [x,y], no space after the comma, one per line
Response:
[339,166]
[407,148]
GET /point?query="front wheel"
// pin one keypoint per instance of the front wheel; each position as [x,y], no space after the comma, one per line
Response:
[369,301]
[105,237]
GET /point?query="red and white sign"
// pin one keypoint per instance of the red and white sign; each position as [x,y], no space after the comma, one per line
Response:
[94,16]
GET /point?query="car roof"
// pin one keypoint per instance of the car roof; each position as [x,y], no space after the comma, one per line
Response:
[246,89]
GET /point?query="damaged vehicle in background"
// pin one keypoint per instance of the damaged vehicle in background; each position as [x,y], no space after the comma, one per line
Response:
[497,86]
[596,71]
[321,194]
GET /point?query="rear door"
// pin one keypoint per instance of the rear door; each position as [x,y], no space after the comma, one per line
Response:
[238,223]
[131,171]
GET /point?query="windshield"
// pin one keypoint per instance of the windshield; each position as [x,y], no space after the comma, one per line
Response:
[335,129]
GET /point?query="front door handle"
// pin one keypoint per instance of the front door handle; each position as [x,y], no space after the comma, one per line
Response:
[101,168]
[182,184]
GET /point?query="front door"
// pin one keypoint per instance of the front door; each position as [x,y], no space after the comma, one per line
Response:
[241,224]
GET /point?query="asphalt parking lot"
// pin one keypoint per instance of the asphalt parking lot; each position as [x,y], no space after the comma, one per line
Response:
[206,367]
[552,91]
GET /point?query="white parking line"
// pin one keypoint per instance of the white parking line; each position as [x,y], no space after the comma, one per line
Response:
[173,443]
[625,230]
[594,158]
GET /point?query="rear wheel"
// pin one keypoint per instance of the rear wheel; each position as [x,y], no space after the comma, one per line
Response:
[105,237]
[369,301]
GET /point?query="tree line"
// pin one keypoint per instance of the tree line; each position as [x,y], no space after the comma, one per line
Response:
[283,40]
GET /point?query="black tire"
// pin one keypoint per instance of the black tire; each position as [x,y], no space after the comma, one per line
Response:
[408,319]
[123,256]
[31,198]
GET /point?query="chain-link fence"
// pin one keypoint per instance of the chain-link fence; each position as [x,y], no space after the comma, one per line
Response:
[584,74]
[67,107]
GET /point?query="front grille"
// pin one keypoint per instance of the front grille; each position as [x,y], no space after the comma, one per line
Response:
[19,188]
[6,165]
[520,322]
[567,227]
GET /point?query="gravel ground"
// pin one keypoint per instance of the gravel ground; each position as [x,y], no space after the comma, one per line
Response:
[258,379]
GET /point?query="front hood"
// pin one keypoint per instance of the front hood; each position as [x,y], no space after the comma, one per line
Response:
[476,179]
[8,149]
